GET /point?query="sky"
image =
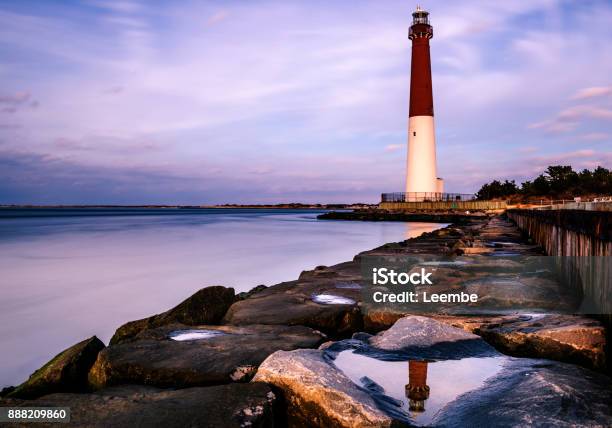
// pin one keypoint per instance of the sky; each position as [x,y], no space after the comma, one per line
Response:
[205,102]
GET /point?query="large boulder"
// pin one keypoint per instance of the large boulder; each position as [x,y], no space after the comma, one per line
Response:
[567,338]
[570,338]
[318,394]
[518,292]
[417,335]
[292,304]
[234,405]
[417,331]
[222,354]
[66,372]
[206,306]
[377,319]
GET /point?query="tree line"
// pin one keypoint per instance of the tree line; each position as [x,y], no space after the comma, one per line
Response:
[557,182]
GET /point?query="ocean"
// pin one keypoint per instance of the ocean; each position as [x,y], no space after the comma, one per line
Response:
[68,274]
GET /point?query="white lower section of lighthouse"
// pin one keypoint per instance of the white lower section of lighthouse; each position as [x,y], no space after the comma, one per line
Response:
[421,167]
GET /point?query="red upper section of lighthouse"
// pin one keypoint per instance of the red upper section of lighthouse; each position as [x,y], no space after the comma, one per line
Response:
[421,96]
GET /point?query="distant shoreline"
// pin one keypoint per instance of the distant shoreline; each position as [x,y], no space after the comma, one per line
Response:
[194,207]
[29,211]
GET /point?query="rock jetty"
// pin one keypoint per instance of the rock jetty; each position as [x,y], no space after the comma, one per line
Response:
[316,352]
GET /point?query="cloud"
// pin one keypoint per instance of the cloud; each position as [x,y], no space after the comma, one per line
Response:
[116,5]
[555,126]
[113,90]
[569,119]
[9,126]
[14,99]
[261,170]
[295,101]
[585,153]
[27,177]
[592,92]
[12,103]
[595,136]
[394,147]
[217,17]
[583,111]
[578,159]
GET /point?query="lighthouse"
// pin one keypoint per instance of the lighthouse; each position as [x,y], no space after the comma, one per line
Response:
[422,182]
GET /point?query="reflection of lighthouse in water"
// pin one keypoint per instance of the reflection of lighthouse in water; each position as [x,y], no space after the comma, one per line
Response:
[417,390]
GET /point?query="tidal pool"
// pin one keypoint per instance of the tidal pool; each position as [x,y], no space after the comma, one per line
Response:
[422,387]
[332,299]
[196,334]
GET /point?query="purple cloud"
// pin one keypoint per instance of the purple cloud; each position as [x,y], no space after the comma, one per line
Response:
[291,101]
[113,90]
[593,92]
[14,99]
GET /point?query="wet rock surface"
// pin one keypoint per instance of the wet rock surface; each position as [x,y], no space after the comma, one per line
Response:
[293,304]
[418,336]
[251,292]
[510,276]
[154,358]
[558,337]
[66,372]
[416,331]
[317,394]
[318,390]
[534,393]
[569,338]
[234,405]
[415,337]
[261,333]
[206,306]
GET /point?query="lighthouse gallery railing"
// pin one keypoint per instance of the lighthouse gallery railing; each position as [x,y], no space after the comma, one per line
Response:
[426,197]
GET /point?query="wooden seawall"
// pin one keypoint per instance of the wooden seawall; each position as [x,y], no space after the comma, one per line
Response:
[582,243]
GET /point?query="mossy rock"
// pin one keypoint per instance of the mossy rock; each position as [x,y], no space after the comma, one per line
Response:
[66,372]
[206,306]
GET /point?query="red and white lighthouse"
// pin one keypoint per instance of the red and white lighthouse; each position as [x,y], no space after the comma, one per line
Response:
[421,176]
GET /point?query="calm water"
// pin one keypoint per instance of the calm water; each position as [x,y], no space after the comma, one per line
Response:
[67,277]
[447,380]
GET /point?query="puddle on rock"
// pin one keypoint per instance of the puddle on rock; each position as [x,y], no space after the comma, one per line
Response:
[332,299]
[422,387]
[183,335]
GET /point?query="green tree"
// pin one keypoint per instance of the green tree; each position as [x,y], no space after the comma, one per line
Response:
[602,181]
[556,182]
[561,179]
[497,189]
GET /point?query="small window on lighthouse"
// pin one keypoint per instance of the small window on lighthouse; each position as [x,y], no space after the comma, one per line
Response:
[414,133]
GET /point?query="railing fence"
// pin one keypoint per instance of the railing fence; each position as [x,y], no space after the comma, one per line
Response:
[426,197]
